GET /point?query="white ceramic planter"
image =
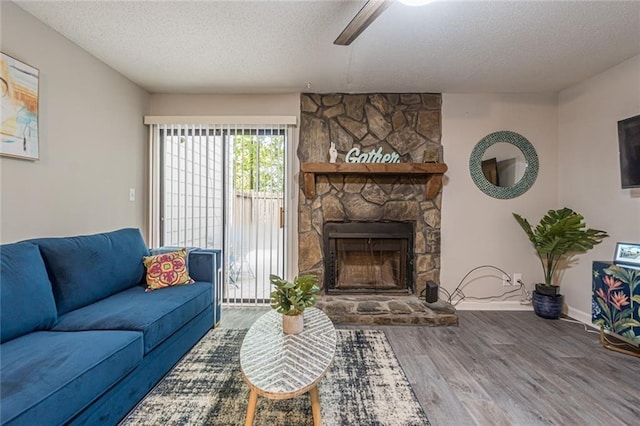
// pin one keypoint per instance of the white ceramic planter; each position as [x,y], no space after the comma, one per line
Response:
[292,324]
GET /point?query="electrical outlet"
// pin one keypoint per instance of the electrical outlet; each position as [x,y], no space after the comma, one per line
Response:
[505,280]
[517,276]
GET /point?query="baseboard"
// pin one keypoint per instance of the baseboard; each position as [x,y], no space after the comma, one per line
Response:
[513,305]
[581,316]
[504,305]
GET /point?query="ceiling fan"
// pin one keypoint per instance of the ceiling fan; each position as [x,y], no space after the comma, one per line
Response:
[369,12]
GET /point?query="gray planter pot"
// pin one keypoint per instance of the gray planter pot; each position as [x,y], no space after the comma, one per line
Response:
[549,307]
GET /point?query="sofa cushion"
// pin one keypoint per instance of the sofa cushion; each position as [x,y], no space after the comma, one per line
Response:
[26,298]
[157,314]
[88,268]
[47,377]
[167,269]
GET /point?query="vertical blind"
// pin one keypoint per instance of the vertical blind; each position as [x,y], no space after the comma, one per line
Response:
[210,188]
[194,153]
[191,196]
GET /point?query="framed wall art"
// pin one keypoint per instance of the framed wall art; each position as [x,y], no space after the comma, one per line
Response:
[19,130]
[627,254]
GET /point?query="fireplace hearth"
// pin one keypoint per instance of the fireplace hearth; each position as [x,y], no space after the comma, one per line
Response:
[369,257]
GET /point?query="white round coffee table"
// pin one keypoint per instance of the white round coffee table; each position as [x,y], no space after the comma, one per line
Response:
[281,366]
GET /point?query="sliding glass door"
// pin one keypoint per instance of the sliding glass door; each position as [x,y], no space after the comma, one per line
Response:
[222,187]
[255,212]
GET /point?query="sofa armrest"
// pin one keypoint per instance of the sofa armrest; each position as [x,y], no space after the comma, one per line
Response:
[204,265]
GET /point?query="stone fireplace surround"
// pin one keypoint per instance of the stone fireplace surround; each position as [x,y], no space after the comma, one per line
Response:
[407,123]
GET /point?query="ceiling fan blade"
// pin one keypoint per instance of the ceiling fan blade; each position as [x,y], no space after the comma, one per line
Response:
[369,12]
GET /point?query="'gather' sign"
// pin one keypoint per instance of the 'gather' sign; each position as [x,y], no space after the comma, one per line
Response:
[374,156]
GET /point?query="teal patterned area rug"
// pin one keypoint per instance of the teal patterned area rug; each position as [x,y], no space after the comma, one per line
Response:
[365,385]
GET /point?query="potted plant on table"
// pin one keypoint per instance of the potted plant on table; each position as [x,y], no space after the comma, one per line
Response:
[559,234]
[291,298]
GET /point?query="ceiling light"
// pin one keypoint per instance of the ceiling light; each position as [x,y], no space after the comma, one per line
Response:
[415,2]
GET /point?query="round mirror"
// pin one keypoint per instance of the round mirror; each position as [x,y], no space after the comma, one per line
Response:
[504,165]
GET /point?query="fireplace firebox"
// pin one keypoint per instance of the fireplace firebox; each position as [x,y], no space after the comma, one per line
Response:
[368,257]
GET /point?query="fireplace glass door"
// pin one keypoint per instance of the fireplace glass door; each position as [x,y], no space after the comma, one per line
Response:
[369,257]
[370,263]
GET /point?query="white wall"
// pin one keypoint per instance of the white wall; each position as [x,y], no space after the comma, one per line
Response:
[92,141]
[249,105]
[589,169]
[478,229]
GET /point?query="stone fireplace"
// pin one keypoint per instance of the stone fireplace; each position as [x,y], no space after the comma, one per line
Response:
[408,124]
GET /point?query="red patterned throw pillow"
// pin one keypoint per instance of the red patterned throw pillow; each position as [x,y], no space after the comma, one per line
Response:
[167,269]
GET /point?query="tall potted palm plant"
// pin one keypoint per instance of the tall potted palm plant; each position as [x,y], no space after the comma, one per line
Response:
[559,234]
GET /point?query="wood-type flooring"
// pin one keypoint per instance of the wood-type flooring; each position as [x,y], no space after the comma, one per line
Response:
[507,368]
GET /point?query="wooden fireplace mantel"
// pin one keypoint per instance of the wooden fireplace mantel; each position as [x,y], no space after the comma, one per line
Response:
[433,172]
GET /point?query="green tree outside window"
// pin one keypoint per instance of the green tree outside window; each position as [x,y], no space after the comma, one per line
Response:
[258,164]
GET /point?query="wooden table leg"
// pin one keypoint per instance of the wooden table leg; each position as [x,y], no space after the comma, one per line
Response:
[251,408]
[315,406]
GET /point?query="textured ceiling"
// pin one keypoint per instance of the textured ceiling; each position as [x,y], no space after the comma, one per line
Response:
[281,46]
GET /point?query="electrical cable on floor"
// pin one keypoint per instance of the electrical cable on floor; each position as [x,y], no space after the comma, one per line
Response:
[526,296]
[493,297]
[593,331]
[442,289]
[458,293]
[587,330]
[581,323]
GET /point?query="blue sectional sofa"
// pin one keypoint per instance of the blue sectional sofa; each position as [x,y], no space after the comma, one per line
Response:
[81,340]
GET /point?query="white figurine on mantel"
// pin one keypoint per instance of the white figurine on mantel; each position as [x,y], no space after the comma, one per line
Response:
[333,153]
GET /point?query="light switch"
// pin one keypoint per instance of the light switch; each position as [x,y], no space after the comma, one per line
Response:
[132,194]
